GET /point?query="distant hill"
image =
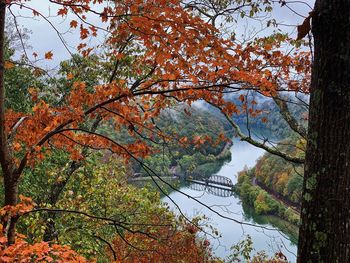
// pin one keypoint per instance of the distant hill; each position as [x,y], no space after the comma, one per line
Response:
[188,125]
[269,123]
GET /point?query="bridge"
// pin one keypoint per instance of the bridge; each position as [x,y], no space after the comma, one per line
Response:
[215,184]
[215,179]
[219,180]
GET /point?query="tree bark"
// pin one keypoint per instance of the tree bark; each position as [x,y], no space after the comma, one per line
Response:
[6,160]
[50,233]
[4,154]
[11,193]
[56,189]
[325,218]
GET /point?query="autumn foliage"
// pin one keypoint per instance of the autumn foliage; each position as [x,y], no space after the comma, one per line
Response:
[181,58]
[22,250]
[156,54]
[166,245]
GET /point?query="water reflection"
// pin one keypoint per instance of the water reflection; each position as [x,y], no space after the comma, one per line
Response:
[229,205]
[217,191]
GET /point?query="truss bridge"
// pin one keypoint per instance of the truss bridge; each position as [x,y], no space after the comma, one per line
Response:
[216,184]
[219,180]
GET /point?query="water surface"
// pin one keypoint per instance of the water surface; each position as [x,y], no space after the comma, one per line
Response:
[271,241]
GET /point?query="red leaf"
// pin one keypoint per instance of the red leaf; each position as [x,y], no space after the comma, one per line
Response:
[62,11]
[73,23]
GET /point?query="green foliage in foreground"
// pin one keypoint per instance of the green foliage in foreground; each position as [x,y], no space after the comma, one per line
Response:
[100,191]
[243,252]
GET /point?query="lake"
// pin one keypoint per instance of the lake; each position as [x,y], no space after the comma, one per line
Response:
[271,241]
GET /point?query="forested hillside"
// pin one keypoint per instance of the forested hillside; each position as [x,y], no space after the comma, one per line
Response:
[267,121]
[273,185]
[281,176]
[189,126]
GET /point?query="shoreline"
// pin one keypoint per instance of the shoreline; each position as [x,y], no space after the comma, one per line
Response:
[277,196]
[256,195]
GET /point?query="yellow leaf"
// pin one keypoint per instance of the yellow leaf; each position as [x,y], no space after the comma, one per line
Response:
[16,146]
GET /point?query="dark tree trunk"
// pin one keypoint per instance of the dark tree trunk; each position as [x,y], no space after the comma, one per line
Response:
[325,218]
[11,193]
[56,189]
[7,165]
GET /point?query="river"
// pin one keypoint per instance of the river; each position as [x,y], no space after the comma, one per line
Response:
[271,241]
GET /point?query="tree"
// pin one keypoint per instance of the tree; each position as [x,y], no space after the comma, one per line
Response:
[158,53]
[324,232]
[288,88]
[182,245]
[140,82]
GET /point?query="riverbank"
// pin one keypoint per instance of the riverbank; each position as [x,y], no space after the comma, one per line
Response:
[200,167]
[263,200]
[230,216]
[277,196]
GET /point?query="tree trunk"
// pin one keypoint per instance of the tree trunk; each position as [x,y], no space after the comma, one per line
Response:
[56,189]
[325,217]
[50,233]
[7,164]
[4,154]
[11,193]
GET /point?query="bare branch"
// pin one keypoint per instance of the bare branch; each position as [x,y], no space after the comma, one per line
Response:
[256,143]
[289,118]
[15,127]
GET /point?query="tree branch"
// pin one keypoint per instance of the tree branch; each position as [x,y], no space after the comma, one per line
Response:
[256,143]
[288,117]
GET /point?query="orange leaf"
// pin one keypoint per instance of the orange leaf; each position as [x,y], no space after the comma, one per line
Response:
[70,76]
[8,65]
[84,33]
[48,55]
[16,146]
[62,11]
[73,23]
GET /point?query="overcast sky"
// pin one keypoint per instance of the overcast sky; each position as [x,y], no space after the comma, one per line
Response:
[44,38]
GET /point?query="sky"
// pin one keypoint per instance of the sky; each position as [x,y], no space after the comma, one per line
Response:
[44,38]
